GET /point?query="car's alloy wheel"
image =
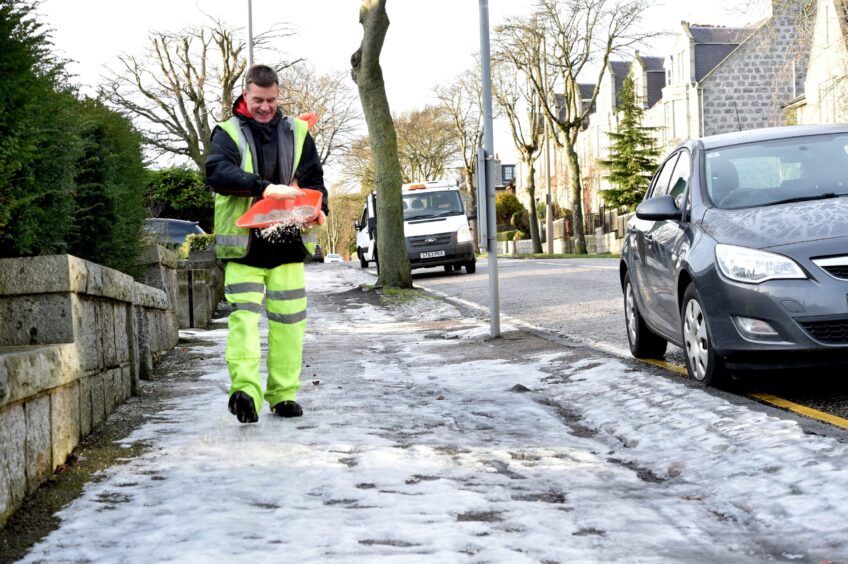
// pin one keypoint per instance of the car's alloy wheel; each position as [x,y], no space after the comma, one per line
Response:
[696,340]
[644,343]
[703,363]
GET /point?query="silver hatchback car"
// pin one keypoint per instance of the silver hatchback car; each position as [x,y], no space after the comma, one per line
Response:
[739,253]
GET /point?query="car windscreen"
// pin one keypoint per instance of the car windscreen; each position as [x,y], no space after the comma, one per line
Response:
[183,229]
[420,205]
[778,171]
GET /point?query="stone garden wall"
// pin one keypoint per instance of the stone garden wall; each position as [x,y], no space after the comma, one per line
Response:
[75,338]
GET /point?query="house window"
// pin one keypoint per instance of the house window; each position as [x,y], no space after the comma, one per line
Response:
[507,173]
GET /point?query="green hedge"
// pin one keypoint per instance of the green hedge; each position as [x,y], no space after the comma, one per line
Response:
[180,193]
[71,174]
[196,242]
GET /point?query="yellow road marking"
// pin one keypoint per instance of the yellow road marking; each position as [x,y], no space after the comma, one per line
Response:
[803,410]
[768,398]
[670,367]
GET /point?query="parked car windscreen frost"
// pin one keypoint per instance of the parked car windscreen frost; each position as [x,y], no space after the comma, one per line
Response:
[778,171]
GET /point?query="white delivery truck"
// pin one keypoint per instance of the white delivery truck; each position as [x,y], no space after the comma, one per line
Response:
[434,223]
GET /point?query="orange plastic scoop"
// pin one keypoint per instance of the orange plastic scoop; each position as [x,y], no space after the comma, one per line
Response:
[311,119]
[268,211]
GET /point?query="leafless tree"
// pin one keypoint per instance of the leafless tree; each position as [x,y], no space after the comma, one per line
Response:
[579,37]
[393,261]
[523,108]
[338,235]
[183,85]
[426,144]
[329,96]
[357,168]
[462,101]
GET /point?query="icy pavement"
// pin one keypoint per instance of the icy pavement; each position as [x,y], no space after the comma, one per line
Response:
[425,442]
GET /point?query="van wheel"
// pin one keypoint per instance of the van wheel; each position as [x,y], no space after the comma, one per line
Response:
[362,262]
[470,267]
[448,268]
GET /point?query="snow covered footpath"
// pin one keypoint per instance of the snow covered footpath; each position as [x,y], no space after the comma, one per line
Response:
[418,445]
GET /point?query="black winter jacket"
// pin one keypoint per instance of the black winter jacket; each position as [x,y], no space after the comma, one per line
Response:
[224,176]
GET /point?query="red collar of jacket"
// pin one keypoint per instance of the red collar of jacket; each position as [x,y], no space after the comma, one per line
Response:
[240,108]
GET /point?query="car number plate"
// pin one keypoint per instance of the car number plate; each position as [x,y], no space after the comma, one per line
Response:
[433,254]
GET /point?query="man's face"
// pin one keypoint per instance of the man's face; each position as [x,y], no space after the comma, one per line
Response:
[262,101]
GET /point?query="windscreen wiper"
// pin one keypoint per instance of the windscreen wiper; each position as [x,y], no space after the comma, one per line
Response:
[825,196]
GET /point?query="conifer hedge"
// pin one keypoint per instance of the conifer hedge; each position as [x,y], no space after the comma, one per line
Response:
[71,170]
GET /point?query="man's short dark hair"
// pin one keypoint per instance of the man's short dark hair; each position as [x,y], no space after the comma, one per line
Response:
[262,76]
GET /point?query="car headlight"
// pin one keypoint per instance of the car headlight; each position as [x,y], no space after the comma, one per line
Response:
[463,234]
[752,266]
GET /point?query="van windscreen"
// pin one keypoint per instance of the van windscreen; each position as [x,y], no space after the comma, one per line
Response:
[421,205]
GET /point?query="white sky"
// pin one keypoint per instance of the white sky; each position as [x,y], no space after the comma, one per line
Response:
[413,448]
[428,41]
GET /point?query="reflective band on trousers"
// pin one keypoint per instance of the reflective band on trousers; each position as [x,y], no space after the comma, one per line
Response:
[232,240]
[244,287]
[255,308]
[287,318]
[287,294]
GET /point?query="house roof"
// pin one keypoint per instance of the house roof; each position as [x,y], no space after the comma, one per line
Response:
[620,69]
[714,43]
[708,57]
[655,71]
[719,34]
[586,90]
[654,64]
[656,82]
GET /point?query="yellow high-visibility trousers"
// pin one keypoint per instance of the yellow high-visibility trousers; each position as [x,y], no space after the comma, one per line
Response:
[285,304]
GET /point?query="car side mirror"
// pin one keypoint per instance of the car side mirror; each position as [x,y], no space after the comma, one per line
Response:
[356,225]
[658,209]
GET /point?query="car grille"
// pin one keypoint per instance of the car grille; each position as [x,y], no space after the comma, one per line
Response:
[838,271]
[831,331]
[429,240]
[835,266]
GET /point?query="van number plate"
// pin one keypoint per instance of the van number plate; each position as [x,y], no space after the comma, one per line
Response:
[433,254]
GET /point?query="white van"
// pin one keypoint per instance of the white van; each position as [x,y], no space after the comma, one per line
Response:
[434,224]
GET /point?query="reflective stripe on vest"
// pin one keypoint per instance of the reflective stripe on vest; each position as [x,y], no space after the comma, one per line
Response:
[231,241]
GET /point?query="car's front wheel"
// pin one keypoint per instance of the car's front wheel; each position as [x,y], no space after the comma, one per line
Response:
[644,343]
[362,262]
[470,267]
[704,365]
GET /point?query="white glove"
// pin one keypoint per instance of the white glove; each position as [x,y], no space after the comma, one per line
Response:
[280,192]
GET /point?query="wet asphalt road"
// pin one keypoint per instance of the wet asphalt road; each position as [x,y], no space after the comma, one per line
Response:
[582,298]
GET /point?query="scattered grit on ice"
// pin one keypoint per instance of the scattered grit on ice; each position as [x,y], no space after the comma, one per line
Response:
[286,223]
[415,449]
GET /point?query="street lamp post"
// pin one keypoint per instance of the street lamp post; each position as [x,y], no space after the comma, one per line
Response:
[249,33]
[549,219]
[489,151]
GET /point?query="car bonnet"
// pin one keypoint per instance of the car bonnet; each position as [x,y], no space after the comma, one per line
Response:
[772,226]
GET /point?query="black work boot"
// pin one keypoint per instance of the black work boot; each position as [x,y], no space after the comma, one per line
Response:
[241,405]
[288,409]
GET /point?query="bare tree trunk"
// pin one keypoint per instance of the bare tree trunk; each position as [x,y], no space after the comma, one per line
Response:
[534,221]
[574,181]
[393,261]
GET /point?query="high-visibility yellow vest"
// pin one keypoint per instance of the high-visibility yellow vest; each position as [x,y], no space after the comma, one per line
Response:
[231,241]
